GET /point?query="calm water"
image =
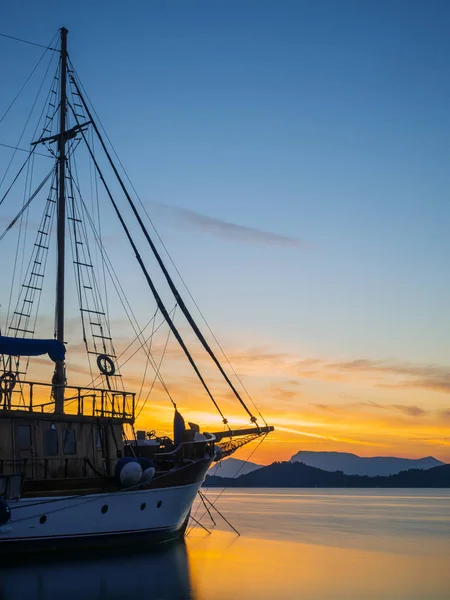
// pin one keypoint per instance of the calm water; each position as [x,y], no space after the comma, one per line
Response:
[294,544]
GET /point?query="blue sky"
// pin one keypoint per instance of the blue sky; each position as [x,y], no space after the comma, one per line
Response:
[324,122]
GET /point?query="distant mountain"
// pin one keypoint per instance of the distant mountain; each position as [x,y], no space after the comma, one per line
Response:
[351,464]
[232,467]
[299,475]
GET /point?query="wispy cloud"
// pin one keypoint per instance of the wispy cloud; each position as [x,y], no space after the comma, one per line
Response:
[411,411]
[328,437]
[445,414]
[385,374]
[281,392]
[188,219]
[435,441]
[406,409]
[432,377]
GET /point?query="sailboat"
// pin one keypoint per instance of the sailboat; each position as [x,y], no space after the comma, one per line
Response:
[71,473]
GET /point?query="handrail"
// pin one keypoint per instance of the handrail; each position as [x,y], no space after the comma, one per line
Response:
[95,402]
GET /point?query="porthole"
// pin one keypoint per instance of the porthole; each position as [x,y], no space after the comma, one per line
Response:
[42,519]
[159,504]
[104,509]
[143,505]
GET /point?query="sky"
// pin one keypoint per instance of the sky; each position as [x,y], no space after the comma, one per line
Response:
[293,157]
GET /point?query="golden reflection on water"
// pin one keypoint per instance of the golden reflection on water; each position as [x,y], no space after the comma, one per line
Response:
[224,566]
[318,544]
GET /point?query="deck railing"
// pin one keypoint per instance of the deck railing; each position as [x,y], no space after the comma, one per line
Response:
[87,401]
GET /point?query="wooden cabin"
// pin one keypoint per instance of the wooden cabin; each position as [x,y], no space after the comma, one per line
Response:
[84,441]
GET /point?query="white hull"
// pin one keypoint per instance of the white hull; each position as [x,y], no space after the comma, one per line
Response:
[116,514]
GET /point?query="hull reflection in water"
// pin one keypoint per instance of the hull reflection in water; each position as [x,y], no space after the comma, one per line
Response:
[161,574]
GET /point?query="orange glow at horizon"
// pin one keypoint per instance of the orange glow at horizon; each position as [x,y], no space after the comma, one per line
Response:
[362,435]
[362,407]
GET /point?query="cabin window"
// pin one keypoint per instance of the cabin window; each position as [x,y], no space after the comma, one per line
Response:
[23,437]
[69,442]
[51,441]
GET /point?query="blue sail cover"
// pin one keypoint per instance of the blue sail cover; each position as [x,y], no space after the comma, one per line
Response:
[21,347]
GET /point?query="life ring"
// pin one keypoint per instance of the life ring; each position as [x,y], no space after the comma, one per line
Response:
[105,365]
[8,381]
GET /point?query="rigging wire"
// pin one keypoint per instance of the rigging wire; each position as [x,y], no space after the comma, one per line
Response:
[11,37]
[36,269]
[123,299]
[149,348]
[173,329]
[29,291]
[143,267]
[2,199]
[75,261]
[150,356]
[162,266]
[30,159]
[27,204]
[93,283]
[99,221]
[152,360]
[16,256]
[156,374]
[29,177]
[51,212]
[86,279]
[164,246]
[95,208]
[226,487]
[148,278]
[20,319]
[143,343]
[27,121]
[24,150]
[27,79]
[101,304]
[27,193]
[50,117]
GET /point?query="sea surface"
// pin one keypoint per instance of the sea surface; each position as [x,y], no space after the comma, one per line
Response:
[304,544]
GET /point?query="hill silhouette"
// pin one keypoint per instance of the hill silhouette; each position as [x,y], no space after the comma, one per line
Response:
[232,467]
[298,475]
[352,464]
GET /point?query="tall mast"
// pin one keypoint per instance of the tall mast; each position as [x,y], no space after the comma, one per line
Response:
[60,375]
